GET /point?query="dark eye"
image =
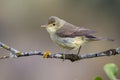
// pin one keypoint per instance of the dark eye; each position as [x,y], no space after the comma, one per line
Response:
[53,24]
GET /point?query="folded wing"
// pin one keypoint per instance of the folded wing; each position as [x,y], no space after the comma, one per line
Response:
[69,30]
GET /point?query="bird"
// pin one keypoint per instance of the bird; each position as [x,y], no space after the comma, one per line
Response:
[69,36]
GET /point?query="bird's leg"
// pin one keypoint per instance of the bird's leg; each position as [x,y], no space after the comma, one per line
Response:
[79,50]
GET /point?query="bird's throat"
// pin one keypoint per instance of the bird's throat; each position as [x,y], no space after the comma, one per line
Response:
[51,30]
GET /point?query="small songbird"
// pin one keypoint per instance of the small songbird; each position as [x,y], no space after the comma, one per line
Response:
[69,36]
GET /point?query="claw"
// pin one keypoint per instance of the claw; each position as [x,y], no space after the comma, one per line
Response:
[46,54]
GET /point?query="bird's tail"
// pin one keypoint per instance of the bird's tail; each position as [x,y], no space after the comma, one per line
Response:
[93,38]
[99,38]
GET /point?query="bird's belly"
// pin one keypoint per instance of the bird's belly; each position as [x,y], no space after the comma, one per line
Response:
[69,43]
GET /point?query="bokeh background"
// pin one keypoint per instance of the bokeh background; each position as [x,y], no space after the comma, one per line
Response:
[20,22]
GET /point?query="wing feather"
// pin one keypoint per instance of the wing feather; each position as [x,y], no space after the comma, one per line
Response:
[69,30]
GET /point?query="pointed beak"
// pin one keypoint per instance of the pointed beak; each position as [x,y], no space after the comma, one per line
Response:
[44,26]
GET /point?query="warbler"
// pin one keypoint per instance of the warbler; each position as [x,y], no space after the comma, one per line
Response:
[69,36]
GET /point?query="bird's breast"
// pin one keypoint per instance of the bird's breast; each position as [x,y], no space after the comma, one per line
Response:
[68,43]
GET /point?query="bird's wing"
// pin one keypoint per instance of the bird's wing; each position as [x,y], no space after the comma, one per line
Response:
[69,30]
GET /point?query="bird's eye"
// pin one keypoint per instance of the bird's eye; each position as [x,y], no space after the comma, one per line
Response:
[53,24]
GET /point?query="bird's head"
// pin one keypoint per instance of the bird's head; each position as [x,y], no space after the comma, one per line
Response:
[54,23]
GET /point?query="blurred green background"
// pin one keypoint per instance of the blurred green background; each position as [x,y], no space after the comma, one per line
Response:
[20,22]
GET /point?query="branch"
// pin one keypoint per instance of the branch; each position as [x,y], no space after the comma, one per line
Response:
[72,57]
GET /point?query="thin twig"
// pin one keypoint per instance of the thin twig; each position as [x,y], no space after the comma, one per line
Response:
[71,57]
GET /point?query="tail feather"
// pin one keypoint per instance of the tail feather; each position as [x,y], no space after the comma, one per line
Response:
[91,37]
[98,38]
[108,39]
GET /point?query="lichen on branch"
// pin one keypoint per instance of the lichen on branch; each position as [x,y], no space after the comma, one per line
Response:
[72,57]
